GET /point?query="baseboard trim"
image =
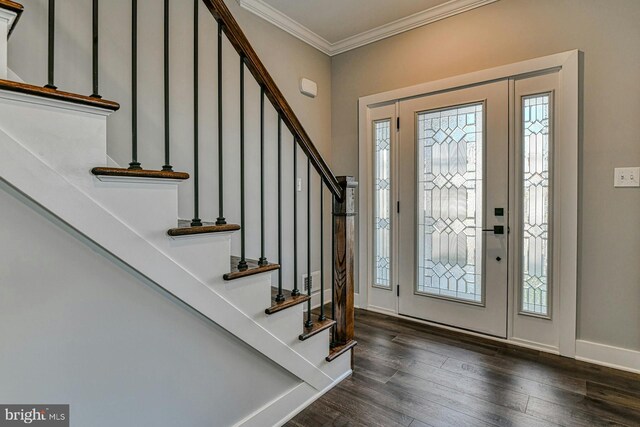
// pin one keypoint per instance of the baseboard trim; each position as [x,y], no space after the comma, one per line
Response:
[299,398]
[383,310]
[607,355]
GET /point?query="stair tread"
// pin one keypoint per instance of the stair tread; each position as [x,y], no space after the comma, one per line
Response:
[318,326]
[337,351]
[139,173]
[185,229]
[58,94]
[289,300]
[253,268]
[11,5]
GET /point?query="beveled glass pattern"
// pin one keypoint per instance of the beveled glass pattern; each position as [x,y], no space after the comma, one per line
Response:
[450,198]
[382,203]
[535,226]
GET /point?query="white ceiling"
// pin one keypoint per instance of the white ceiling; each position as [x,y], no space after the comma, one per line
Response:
[335,26]
[336,20]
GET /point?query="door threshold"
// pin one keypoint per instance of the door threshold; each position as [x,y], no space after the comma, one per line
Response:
[508,342]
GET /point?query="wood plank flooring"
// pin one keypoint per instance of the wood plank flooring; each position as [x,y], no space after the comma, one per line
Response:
[407,374]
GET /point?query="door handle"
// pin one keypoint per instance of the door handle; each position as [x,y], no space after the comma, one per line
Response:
[497,229]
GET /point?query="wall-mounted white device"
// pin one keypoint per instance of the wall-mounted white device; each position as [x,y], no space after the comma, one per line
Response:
[308,87]
[626,177]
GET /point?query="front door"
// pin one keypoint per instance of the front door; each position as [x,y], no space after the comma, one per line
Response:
[453,157]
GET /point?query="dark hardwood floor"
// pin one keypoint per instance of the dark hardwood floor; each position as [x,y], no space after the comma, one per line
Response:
[408,374]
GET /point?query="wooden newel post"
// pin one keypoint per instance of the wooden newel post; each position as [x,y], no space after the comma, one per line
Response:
[344,216]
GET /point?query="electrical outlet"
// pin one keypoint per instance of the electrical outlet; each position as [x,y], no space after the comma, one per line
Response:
[626,177]
[299,184]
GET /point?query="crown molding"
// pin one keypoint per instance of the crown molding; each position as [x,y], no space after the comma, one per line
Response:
[284,22]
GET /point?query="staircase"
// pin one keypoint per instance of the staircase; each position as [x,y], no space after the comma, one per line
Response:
[54,148]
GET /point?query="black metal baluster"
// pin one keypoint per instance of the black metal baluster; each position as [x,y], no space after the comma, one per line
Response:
[196,221]
[95,93]
[167,135]
[280,295]
[321,317]
[242,265]
[221,219]
[134,164]
[295,292]
[52,34]
[309,322]
[263,258]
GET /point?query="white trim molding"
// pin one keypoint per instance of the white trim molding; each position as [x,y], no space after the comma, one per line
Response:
[298,397]
[567,66]
[282,21]
[433,14]
[7,20]
[607,355]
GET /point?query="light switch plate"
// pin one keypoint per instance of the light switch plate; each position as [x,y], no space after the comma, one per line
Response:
[626,177]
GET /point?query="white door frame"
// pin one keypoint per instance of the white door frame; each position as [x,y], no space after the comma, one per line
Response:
[565,180]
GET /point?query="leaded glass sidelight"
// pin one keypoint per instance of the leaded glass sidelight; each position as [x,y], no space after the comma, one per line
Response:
[535,209]
[382,203]
[450,198]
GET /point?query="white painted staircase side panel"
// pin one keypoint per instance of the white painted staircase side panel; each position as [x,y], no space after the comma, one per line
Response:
[48,150]
[40,182]
[253,294]
[72,141]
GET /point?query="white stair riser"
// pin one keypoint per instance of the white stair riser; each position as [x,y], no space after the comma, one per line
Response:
[314,349]
[285,324]
[150,209]
[337,367]
[252,295]
[68,139]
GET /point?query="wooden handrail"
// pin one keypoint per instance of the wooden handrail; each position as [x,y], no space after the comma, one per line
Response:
[11,5]
[240,42]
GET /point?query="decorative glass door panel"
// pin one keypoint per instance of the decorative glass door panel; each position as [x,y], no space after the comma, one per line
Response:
[449,208]
[452,262]
[382,203]
[535,224]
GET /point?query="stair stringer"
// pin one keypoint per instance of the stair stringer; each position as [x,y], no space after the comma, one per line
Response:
[28,173]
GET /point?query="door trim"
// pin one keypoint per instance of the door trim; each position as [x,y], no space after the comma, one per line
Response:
[566,179]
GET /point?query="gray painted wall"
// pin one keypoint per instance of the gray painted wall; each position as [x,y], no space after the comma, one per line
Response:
[287,59]
[514,30]
[80,328]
